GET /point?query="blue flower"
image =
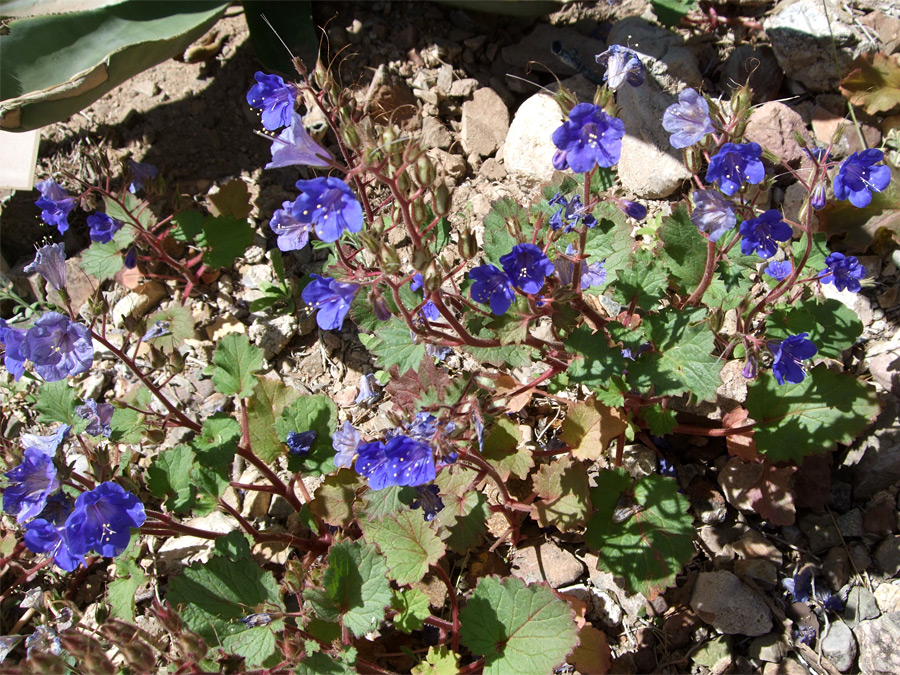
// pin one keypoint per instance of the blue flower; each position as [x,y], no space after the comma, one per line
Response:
[46,444]
[292,234]
[735,165]
[788,354]
[779,270]
[622,65]
[140,172]
[12,339]
[345,442]
[571,213]
[492,287]
[799,586]
[688,120]
[633,209]
[295,147]
[589,138]
[712,213]
[102,520]
[300,442]
[42,536]
[50,263]
[401,461]
[330,205]
[99,415]
[593,274]
[130,260]
[274,98]
[527,267]
[429,501]
[761,234]
[429,309]
[58,347]
[30,483]
[843,271]
[55,204]
[817,197]
[332,298]
[102,227]
[858,177]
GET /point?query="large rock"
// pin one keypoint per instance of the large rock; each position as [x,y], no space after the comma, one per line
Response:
[839,646]
[723,601]
[529,148]
[485,123]
[546,562]
[805,35]
[878,653]
[773,126]
[535,50]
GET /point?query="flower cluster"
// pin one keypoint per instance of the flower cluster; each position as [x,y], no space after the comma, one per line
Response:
[400,461]
[734,165]
[326,205]
[57,346]
[525,267]
[761,234]
[588,139]
[843,271]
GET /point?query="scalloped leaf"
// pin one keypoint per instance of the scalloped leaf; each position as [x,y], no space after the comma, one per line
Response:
[873,83]
[408,543]
[234,362]
[832,326]
[563,489]
[310,413]
[590,427]
[413,608]
[463,519]
[504,450]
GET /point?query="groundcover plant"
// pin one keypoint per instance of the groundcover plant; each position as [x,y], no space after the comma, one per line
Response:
[579,306]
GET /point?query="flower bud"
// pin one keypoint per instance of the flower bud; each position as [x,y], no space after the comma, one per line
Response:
[345,112]
[441,199]
[321,75]
[566,100]
[351,136]
[379,304]
[368,241]
[390,260]
[403,183]
[425,173]
[421,258]
[419,212]
[817,198]
[468,244]
[740,102]
[693,158]
[432,277]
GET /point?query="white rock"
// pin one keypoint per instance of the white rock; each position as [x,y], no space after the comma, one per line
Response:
[528,149]
[485,122]
[179,551]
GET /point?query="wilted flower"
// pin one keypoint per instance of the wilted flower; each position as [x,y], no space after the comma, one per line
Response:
[570,214]
[527,267]
[589,138]
[859,177]
[29,485]
[843,271]
[274,97]
[366,389]
[688,120]
[345,442]
[46,444]
[295,147]
[761,234]
[429,501]
[401,461]
[140,172]
[300,442]
[330,205]
[55,204]
[58,347]
[332,298]
[102,520]
[735,165]
[292,234]
[712,213]
[492,287]
[622,65]
[788,354]
[102,227]
[12,339]
[50,263]
[99,416]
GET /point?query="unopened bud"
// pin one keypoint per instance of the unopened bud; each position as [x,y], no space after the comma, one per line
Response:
[425,173]
[379,304]
[468,244]
[432,277]
[602,96]
[390,260]
[368,241]
[566,100]
[817,198]
[421,258]
[740,102]
[351,136]
[322,76]
[419,212]
[693,158]
[345,112]
[441,199]
[404,183]
[798,138]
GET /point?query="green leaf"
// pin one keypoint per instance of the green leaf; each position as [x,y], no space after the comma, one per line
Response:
[334,498]
[817,254]
[129,578]
[127,426]
[310,413]
[235,360]
[408,544]
[181,327]
[354,586]
[102,260]
[413,607]
[504,450]
[226,238]
[376,504]
[595,362]
[56,403]
[188,225]
[216,443]
[796,420]
[683,249]
[644,279]
[170,476]
[684,362]
[660,422]
[392,345]
[438,661]
[649,544]
[234,546]
[731,284]
[671,12]
[464,516]
[517,628]
[832,326]
[590,427]
[497,239]
[270,397]
[563,490]
[214,596]
[610,240]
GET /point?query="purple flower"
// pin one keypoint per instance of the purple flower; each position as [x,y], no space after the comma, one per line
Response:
[799,586]
[50,263]
[591,275]
[735,165]
[712,213]
[817,198]
[688,120]
[429,501]
[527,267]
[274,98]
[102,520]
[622,65]
[858,177]
[571,213]
[43,640]
[401,461]
[46,444]
[424,427]
[12,339]
[438,352]
[429,309]
[29,485]
[158,329]
[130,260]
[102,227]
[300,442]
[140,172]
[99,415]
[58,347]
[633,209]
[779,270]
[332,298]
[761,234]
[345,442]
[843,271]
[42,536]
[492,287]
[366,389]
[292,234]
[295,147]
[55,204]
[589,138]
[330,205]
[788,354]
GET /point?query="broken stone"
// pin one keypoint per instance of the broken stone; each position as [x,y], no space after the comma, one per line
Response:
[878,638]
[839,646]
[722,600]
[485,122]
[546,562]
